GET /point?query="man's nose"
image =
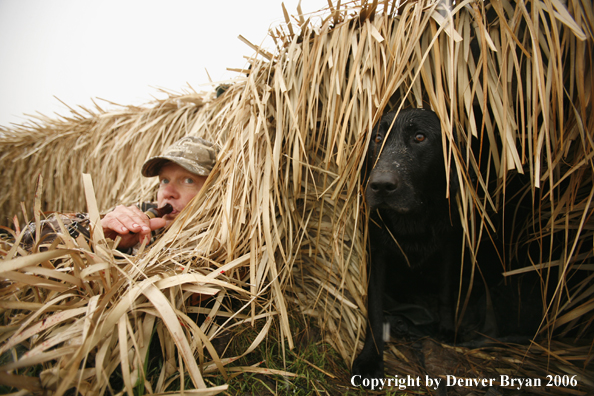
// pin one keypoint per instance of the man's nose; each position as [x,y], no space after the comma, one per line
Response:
[169,191]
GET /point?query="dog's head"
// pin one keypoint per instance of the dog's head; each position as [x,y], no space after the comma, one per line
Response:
[405,163]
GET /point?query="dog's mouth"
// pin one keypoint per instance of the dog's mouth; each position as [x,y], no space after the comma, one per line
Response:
[400,209]
[399,203]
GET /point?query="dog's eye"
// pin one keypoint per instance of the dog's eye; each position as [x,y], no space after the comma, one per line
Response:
[419,137]
[378,138]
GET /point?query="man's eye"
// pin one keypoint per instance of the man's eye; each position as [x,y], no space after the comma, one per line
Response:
[164,181]
[189,180]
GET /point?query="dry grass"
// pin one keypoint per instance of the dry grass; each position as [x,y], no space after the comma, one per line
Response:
[279,223]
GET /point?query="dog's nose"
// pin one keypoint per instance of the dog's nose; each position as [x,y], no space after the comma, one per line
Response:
[383,183]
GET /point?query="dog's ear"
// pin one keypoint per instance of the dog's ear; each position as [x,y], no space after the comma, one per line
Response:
[369,155]
[454,182]
[454,186]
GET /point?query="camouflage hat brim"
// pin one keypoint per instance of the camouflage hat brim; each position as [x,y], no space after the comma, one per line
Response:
[153,166]
[196,155]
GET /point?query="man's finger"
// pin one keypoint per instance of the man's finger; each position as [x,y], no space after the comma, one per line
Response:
[157,223]
[134,222]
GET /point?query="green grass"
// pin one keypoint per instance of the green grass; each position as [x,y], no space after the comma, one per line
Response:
[319,368]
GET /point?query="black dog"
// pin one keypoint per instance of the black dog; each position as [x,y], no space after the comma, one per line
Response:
[414,231]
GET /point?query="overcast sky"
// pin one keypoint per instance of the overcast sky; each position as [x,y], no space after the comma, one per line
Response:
[123,50]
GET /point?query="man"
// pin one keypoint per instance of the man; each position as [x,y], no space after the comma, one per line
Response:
[182,170]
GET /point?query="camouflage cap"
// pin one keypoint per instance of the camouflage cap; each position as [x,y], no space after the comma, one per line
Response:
[194,154]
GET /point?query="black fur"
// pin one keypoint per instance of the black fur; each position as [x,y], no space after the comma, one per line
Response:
[406,196]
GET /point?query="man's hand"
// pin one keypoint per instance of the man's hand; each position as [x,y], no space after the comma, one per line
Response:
[131,224]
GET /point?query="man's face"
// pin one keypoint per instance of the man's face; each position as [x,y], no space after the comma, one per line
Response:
[177,187]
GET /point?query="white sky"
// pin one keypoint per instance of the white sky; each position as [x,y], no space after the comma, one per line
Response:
[123,50]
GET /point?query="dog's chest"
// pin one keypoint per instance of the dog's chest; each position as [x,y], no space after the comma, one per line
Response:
[415,239]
